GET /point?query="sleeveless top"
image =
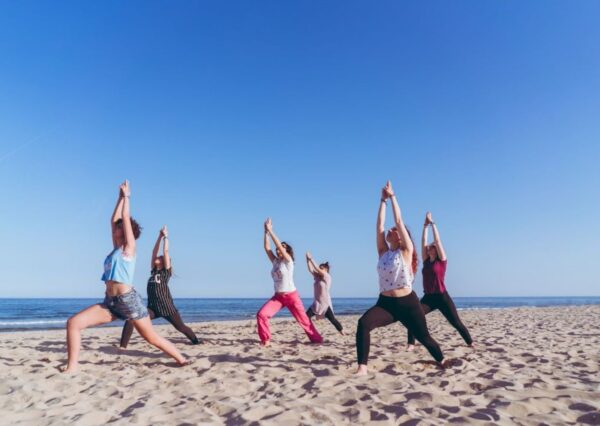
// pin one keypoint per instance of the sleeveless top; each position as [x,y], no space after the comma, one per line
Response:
[393,271]
[433,276]
[283,275]
[118,267]
[159,295]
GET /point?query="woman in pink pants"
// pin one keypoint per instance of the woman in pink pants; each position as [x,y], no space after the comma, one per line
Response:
[285,290]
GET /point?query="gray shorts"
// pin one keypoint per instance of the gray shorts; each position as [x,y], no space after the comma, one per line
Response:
[128,306]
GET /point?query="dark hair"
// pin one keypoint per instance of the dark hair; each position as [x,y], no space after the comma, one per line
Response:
[162,256]
[324,265]
[288,249]
[137,229]
[437,253]
[415,259]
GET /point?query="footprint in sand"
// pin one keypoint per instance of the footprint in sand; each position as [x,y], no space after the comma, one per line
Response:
[452,410]
[580,406]
[419,395]
[590,418]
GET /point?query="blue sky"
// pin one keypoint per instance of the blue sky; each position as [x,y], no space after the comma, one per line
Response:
[224,113]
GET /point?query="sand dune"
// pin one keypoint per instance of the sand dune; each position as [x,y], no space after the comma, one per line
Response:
[530,366]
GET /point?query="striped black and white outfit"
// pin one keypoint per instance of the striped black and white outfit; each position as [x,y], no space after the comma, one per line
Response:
[160,305]
[159,296]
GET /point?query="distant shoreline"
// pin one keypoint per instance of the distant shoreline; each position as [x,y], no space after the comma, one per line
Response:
[7,326]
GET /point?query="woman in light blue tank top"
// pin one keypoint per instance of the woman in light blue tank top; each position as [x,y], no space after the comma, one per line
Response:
[121,300]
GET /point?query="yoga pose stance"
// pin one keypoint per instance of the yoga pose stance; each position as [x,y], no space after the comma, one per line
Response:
[397,302]
[160,301]
[322,306]
[436,296]
[285,290]
[121,300]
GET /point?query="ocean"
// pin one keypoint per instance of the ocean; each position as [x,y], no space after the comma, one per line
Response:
[35,314]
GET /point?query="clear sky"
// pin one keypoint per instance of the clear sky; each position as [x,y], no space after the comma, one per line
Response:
[223,113]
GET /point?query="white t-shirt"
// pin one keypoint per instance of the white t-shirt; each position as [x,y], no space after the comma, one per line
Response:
[283,275]
[393,272]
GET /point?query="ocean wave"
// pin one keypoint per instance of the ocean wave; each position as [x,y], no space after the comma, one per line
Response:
[39,322]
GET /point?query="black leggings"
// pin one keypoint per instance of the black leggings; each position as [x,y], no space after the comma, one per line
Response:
[329,315]
[443,302]
[388,310]
[175,321]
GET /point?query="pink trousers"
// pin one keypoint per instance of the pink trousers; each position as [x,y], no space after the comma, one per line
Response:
[293,302]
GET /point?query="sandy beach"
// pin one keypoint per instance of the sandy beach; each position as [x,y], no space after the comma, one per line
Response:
[530,366]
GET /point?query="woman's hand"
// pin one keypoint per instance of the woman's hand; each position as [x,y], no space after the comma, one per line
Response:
[308,256]
[387,191]
[125,189]
[268,225]
[164,232]
[428,219]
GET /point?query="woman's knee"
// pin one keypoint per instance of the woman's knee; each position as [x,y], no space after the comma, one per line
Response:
[74,323]
[364,325]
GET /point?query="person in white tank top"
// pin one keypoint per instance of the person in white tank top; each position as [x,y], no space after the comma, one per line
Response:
[283,275]
[397,302]
[286,294]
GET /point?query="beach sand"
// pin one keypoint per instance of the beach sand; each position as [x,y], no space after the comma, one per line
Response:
[530,366]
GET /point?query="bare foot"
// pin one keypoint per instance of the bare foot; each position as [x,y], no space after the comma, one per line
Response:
[410,348]
[186,362]
[342,332]
[266,343]
[472,345]
[69,370]
[361,370]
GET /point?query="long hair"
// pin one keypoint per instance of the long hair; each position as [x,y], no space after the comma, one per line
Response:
[415,259]
[288,249]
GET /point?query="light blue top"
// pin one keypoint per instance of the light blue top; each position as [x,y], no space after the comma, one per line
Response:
[118,267]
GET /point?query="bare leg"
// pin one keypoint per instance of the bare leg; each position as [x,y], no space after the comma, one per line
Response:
[89,317]
[144,327]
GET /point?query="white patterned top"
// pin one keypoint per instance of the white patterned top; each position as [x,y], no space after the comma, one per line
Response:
[393,272]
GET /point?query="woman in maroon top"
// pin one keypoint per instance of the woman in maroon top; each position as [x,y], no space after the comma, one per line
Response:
[436,296]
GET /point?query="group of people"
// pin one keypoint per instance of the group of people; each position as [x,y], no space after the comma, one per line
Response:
[397,301]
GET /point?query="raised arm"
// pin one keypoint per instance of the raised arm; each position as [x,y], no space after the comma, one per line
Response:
[424,236]
[271,233]
[312,266]
[438,240]
[165,234]
[267,244]
[156,249]
[126,216]
[398,219]
[117,214]
[382,245]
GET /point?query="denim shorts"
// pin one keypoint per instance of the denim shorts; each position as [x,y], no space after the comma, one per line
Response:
[128,306]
